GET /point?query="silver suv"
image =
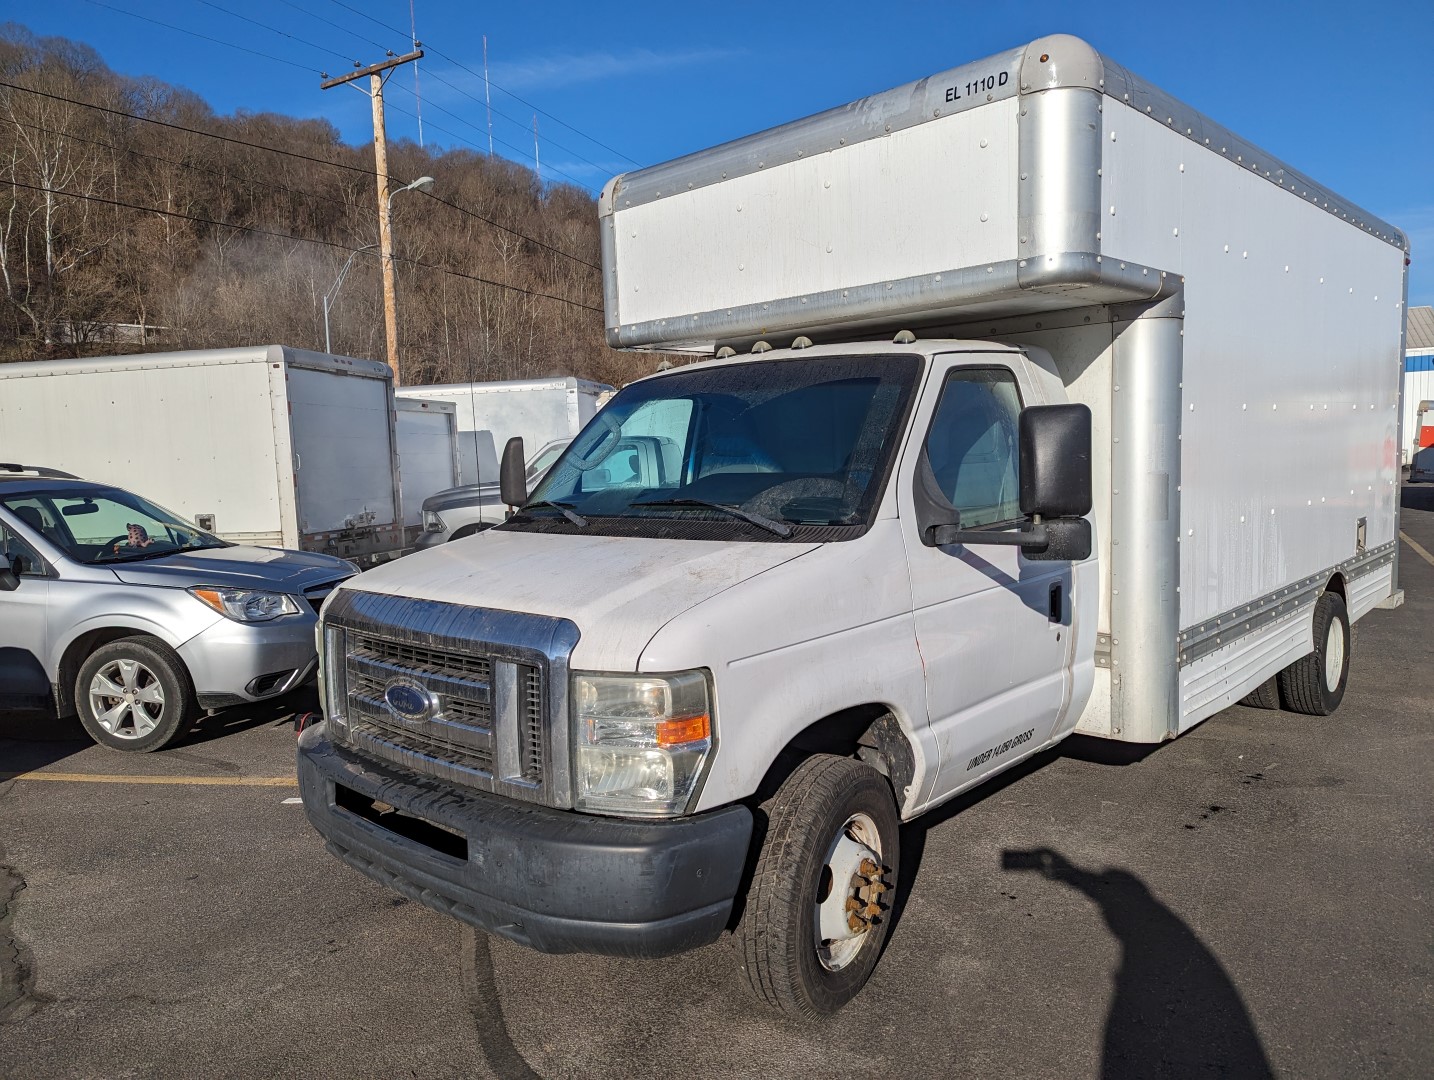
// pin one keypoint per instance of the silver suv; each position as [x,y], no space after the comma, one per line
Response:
[136,619]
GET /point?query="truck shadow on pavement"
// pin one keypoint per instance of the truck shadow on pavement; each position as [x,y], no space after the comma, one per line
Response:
[1175,1011]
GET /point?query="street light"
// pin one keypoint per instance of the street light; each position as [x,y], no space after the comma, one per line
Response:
[333,292]
[423,183]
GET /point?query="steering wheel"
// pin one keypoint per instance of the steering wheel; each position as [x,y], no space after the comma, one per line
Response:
[122,538]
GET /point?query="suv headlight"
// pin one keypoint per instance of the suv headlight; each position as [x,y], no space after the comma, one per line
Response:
[432,522]
[643,741]
[246,605]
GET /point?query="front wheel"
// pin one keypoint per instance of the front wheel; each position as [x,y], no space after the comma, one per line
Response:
[1315,684]
[134,694]
[819,906]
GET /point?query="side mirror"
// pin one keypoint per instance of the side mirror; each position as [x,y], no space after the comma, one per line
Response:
[1055,461]
[512,474]
[1054,445]
[9,580]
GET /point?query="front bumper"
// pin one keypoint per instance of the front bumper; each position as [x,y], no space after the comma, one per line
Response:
[554,880]
[233,662]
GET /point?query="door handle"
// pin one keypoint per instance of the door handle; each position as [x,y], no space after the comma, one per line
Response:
[1057,608]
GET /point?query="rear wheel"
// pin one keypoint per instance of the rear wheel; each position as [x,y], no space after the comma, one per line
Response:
[1315,684]
[819,906]
[1264,696]
[134,694]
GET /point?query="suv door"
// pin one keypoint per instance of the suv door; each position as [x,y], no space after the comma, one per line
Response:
[993,626]
[23,629]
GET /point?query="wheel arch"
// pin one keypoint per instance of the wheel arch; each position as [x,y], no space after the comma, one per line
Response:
[74,652]
[871,732]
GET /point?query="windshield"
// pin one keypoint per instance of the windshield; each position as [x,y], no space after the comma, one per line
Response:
[769,450]
[104,524]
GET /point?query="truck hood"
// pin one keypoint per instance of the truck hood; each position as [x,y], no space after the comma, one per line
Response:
[466,495]
[237,567]
[618,590]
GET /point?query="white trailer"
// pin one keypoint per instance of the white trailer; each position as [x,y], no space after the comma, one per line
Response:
[1036,403]
[428,459]
[1418,382]
[264,445]
[489,414]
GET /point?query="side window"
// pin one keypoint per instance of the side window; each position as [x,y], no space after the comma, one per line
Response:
[972,445]
[15,552]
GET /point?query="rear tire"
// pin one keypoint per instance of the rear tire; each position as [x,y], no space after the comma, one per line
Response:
[135,695]
[828,864]
[1315,684]
[1264,696]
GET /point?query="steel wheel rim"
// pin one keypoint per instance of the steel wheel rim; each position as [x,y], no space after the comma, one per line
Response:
[1334,654]
[126,699]
[851,871]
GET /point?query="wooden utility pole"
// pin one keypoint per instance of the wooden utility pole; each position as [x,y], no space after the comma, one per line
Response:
[377,73]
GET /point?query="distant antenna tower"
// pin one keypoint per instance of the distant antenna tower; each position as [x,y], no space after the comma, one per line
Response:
[417,98]
[537,165]
[487,97]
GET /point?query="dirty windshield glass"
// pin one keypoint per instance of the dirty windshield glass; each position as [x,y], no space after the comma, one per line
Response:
[99,524]
[761,450]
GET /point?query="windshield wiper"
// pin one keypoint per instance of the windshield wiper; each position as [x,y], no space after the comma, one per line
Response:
[736,511]
[566,509]
[135,556]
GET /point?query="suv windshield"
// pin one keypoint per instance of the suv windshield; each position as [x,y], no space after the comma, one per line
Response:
[768,450]
[94,524]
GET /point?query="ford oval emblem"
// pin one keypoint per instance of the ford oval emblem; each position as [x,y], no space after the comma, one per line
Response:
[409,700]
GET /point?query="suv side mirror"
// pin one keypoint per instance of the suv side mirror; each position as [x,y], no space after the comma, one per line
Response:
[10,576]
[512,474]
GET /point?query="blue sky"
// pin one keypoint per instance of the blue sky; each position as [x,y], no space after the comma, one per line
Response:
[1342,92]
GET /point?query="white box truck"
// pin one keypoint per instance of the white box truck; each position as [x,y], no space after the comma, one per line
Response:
[1037,403]
[490,413]
[428,460]
[263,445]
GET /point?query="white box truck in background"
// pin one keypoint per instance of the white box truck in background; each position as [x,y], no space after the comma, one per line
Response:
[1418,387]
[489,414]
[265,445]
[428,459]
[1038,403]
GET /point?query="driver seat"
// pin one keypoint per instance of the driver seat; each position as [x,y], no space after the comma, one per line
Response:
[31,516]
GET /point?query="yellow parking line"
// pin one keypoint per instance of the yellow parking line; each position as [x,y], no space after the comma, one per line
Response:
[196,781]
[1417,549]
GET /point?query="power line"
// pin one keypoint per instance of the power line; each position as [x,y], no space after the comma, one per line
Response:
[337,26]
[298,239]
[475,127]
[490,82]
[535,108]
[512,120]
[366,173]
[276,30]
[203,37]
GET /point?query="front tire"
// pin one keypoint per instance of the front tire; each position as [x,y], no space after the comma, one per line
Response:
[1315,684]
[134,695]
[819,906]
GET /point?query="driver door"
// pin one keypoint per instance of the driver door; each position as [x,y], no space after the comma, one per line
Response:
[23,628]
[993,627]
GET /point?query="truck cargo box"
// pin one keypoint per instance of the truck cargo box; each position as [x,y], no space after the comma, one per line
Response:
[428,460]
[488,414]
[264,445]
[1046,196]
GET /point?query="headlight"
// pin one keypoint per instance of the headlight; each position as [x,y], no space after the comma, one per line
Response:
[643,741]
[246,605]
[432,522]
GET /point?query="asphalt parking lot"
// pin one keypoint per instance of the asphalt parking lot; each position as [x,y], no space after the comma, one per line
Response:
[1255,898]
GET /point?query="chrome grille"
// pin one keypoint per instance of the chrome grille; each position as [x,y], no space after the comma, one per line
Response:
[496,719]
